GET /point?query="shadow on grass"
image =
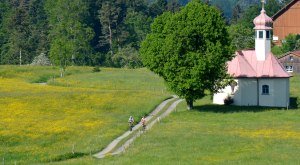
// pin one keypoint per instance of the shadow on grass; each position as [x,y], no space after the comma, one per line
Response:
[294,102]
[66,156]
[233,109]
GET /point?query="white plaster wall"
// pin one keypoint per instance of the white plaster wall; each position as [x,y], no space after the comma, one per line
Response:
[279,94]
[246,94]
[262,46]
[221,95]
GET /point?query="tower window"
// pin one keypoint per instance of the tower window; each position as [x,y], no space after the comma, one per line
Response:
[260,34]
[268,36]
[265,89]
[291,58]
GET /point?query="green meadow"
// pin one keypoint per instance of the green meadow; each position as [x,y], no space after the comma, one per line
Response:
[70,118]
[45,118]
[212,134]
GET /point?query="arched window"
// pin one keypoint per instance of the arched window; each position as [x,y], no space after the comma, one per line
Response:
[265,89]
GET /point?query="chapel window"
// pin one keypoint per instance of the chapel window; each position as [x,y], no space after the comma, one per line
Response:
[265,89]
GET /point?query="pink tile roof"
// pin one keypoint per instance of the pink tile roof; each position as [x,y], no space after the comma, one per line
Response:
[245,64]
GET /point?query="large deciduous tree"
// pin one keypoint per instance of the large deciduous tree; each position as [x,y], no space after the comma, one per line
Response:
[189,49]
[69,34]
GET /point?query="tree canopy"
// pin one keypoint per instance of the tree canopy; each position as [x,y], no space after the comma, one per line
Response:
[189,49]
[96,32]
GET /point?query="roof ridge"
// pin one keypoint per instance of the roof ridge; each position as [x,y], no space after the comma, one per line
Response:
[287,6]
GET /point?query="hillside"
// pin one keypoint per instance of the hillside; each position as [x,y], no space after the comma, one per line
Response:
[214,134]
[72,116]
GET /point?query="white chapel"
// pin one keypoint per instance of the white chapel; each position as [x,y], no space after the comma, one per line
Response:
[260,80]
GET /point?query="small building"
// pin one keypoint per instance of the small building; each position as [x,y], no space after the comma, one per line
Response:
[291,61]
[259,78]
[286,21]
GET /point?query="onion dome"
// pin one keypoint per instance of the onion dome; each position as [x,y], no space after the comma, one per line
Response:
[263,21]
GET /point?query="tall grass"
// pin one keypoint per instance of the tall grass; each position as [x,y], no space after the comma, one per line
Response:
[72,116]
[213,134]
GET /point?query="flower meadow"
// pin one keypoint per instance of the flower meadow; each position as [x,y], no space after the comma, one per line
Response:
[44,118]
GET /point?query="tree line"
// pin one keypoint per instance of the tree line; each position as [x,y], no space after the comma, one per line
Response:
[102,32]
[79,32]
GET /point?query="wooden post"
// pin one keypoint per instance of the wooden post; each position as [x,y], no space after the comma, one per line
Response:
[73,149]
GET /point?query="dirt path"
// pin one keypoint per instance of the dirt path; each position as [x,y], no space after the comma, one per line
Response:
[111,148]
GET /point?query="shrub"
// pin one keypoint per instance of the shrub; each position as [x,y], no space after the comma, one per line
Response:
[228,100]
[96,69]
[126,58]
[41,60]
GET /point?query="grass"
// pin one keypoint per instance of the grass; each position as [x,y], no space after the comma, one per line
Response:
[76,116]
[72,116]
[213,134]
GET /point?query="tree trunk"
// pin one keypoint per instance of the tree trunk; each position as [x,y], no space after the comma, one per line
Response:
[20,60]
[110,38]
[61,72]
[190,104]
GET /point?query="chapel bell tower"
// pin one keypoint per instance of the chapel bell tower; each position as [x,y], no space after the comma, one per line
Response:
[263,36]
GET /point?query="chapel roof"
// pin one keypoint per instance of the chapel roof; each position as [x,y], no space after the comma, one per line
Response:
[245,64]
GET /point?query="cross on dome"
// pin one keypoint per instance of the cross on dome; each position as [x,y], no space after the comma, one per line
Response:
[263,4]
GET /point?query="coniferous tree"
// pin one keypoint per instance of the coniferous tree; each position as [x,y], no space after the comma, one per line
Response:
[16,49]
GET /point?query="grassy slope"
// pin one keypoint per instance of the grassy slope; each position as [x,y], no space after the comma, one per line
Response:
[77,113]
[214,134]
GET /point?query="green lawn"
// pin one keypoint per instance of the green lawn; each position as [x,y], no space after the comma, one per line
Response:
[80,113]
[213,134]
[84,111]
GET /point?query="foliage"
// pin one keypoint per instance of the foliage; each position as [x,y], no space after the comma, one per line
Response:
[127,57]
[96,69]
[242,36]
[23,31]
[277,50]
[75,114]
[290,43]
[90,32]
[70,36]
[189,50]
[41,60]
